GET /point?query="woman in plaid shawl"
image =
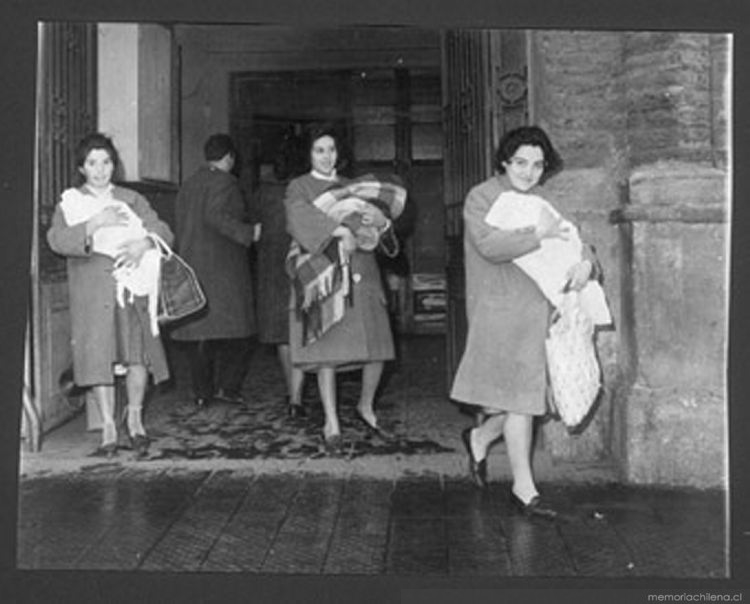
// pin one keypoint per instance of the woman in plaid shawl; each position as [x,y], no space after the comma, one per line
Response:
[362,337]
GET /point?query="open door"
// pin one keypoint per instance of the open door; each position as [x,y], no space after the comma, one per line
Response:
[484,78]
[66,111]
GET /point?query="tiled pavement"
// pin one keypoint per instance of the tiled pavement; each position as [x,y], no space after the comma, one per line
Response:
[230,521]
[244,490]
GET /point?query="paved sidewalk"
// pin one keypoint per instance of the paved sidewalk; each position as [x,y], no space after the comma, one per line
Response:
[115,518]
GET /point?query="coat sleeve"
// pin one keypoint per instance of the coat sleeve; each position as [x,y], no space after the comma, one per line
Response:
[219,214]
[493,244]
[151,221]
[308,226]
[67,240]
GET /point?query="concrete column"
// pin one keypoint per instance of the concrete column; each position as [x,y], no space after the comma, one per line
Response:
[134,96]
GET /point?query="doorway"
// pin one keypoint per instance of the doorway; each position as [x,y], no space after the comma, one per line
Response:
[391,120]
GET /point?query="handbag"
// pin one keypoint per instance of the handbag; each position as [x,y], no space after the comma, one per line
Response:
[572,367]
[180,293]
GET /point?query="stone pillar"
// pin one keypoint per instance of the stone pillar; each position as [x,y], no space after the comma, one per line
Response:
[671,425]
[577,97]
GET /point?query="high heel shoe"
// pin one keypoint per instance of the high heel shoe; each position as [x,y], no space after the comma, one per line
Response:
[108,450]
[140,444]
[536,507]
[296,411]
[477,469]
[334,444]
[375,429]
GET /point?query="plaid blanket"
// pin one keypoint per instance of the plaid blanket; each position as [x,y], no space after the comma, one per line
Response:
[386,195]
[322,280]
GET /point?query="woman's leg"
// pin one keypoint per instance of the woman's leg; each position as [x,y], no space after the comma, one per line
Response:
[293,376]
[487,432]
[285,359]
[518,437]
[327,387]
[371,374]
[105,399]
[136,381]
[297,381]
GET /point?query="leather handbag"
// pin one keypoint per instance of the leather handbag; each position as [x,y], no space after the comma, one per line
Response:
[572,367]
[180,292]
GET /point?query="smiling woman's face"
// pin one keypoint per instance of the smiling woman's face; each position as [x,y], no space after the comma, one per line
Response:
[526,167]
[98,168]
[324,155]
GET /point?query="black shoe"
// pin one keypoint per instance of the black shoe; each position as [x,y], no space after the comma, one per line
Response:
[477,469]
[140,444]
[375,429]
[297,411]
[229,396]
[334,444]
[109,451]
[537,507]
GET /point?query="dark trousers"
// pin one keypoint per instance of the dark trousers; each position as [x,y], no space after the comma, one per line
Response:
[219,365]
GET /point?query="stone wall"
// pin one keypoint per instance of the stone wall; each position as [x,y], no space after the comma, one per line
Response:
[579,101]
[641,121]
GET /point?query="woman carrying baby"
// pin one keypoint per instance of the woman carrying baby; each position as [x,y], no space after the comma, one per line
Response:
[503,369]
[105,232]
[362,338]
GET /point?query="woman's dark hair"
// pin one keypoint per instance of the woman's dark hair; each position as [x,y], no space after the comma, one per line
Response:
[318,130]
[96,140]
[217,146]
[533,136]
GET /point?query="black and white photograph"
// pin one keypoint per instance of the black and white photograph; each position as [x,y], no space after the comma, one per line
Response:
[412,304]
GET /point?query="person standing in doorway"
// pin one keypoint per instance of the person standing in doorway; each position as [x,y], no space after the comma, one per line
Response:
[273,283]
[503,369]
[213,236]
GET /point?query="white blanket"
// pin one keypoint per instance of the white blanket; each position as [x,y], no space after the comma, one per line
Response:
[141,280]
[548,265]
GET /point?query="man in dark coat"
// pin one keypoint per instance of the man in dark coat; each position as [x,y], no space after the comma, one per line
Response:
[213,236]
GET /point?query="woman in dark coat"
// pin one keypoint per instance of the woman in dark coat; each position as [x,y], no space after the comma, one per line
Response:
[363,337]
[503,368]
[107,331]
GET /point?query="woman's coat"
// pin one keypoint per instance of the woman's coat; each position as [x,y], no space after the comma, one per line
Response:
[504,365]
[364,334]
[92,291]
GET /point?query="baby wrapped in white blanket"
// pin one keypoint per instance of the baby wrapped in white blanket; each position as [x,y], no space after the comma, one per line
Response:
[548,265]
[141,280]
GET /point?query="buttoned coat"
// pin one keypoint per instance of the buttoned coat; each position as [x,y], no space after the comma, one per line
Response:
[364,334]
[213,237]
[92,293]
[503,366]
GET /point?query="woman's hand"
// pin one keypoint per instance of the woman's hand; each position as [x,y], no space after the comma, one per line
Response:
[132,251]
[550,226]
[347,238]
[109,216]
[578,275]
[372,216]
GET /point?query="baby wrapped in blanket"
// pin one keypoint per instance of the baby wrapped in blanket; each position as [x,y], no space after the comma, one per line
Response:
[548,265]
[141,280]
